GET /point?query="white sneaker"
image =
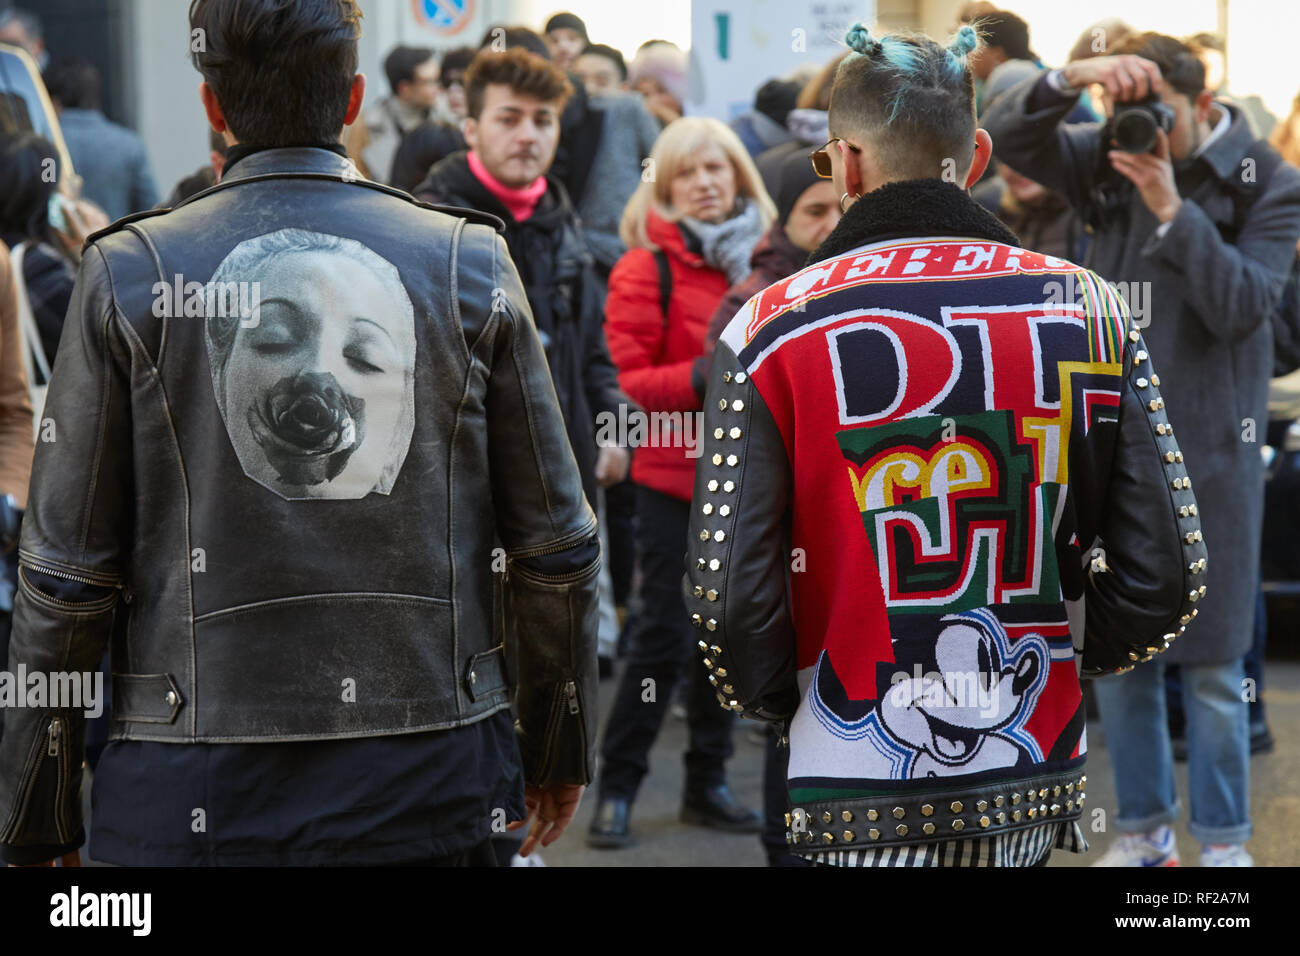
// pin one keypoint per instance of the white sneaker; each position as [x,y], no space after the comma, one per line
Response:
[1227,854]
[533,859]
[1157,848]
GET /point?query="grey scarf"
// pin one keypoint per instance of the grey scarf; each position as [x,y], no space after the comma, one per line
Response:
[727,245]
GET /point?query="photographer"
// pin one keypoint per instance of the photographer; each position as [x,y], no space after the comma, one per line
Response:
[1198,224]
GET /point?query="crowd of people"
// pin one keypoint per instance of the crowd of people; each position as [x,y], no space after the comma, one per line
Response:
[639,250]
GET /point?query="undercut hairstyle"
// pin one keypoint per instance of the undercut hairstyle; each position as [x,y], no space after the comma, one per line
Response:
[282,70]
[73,83]
[1005,31]
[910,99]
[525,73]
[1179,64]
[400,65]
[609,53]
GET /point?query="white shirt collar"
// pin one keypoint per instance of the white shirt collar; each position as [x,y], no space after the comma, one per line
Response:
[1220,128]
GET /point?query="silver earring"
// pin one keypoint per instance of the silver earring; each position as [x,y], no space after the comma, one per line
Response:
[842,198]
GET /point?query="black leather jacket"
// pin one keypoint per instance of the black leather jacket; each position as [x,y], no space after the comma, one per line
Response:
[297,523]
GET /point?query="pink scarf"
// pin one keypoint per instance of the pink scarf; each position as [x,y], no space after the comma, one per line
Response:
[519,202]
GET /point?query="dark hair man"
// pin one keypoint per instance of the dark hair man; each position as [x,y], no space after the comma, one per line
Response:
[566,36]
[514,101]
[902,478]
[1004,36]
[601,68]
[111,159]
[413,79]
[452,80]
[351,432]
[1201,228]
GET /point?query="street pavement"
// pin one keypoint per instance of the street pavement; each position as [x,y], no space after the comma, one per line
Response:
[661,840]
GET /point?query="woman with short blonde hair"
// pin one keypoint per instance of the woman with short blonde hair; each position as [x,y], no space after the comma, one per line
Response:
[690,229]
[678,141]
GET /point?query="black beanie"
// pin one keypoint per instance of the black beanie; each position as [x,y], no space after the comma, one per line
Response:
[787,172]
[776,98]
[566,21]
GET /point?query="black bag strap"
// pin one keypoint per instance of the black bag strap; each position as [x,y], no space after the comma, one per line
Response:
[665,282]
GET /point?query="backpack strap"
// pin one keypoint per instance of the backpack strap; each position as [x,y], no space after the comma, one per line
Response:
[665,282]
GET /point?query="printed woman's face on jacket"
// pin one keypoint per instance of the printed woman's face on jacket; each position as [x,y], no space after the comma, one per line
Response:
[317,392]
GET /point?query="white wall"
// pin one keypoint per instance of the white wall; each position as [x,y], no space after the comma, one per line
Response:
[170,116]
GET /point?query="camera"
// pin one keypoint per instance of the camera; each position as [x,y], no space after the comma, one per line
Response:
[1135,127]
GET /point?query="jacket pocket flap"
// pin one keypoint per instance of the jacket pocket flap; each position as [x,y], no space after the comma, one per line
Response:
[486,673]
[146,698]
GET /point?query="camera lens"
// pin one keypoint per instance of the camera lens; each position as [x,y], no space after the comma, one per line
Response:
[1135,130]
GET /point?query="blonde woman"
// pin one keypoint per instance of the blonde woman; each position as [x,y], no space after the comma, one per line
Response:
[690,229]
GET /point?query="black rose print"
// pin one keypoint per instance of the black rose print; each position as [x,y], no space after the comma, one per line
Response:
[308,427]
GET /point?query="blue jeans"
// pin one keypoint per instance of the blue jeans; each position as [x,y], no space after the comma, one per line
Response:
[1218,749]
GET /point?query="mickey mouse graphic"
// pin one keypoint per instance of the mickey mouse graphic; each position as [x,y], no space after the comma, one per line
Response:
[958,701]
[954,700]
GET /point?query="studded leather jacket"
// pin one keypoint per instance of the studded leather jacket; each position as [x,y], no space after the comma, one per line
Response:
[301,455]
[937,482]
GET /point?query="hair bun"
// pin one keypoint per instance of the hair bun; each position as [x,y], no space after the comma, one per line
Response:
[964,42]
[860,40]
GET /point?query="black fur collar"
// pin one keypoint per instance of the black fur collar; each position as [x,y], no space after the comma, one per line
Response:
[914,207]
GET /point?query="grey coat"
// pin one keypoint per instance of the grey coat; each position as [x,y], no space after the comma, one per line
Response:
[1204,316]
[627,136]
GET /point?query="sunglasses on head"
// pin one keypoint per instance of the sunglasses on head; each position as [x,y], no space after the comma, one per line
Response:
[821,158]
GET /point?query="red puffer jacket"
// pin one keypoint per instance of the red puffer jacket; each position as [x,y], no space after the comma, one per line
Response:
[655,357]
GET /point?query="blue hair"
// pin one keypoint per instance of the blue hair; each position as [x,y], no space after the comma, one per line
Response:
[910,59]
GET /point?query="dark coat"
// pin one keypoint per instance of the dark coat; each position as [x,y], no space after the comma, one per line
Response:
[1204,315]
[1051,226]
[564,293]
[420,149]
[775,258]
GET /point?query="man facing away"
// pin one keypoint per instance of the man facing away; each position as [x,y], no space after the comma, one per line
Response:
[352,443]
[912,447]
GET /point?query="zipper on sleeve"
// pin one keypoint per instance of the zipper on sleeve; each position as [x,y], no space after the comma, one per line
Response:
[49,746]
[98,604]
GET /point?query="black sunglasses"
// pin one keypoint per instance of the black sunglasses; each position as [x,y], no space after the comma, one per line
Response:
[821,159]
